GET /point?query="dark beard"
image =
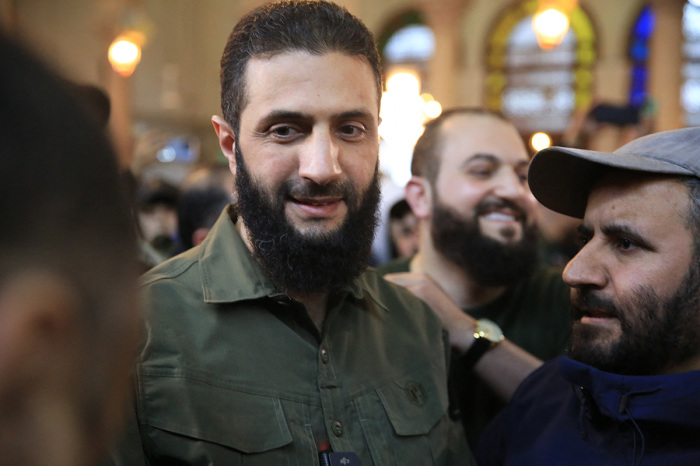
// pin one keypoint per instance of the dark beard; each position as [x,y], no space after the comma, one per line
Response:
[317,261]
[486,260]
[656,334]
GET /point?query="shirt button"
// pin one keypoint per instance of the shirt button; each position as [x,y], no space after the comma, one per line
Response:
[324,356]
[337,428]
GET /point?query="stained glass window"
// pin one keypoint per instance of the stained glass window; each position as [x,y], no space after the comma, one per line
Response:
[537,89]
[690,90]
[640,43]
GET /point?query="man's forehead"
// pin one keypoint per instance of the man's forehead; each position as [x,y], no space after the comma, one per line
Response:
[483,137]
[619,192]
[296,78]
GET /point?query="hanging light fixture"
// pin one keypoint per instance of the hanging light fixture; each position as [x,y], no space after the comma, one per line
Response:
[551,21]
[124,54]
[125,51]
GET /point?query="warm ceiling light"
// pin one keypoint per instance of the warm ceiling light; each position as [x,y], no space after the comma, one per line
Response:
[550,27]
[124,54]
[432,109]
[540,141]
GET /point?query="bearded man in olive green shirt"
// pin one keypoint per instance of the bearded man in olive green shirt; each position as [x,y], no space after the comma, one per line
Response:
[270,343]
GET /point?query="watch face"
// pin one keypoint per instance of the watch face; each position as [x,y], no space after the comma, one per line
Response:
[489,330]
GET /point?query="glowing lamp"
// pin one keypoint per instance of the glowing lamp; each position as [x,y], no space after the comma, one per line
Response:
[124,54]
[550,27]
[540,141]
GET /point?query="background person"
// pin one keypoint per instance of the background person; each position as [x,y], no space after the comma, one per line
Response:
[478,242]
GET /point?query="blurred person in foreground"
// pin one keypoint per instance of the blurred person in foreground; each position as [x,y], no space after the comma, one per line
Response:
[629,390]
[478,245]
[68,314]
[270,342]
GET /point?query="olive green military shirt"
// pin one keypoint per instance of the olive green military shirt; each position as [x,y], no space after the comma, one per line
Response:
[533,313]
[235,373]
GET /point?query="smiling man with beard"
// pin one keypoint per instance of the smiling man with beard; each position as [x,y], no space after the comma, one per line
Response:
[478,245]
[270,343]
[629,391]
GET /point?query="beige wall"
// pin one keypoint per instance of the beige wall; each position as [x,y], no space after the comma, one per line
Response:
[184,50]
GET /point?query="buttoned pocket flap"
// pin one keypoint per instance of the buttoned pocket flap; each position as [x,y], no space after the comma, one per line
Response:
[247,422]
[414,404]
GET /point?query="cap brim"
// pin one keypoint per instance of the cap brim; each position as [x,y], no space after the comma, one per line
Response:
[561,178]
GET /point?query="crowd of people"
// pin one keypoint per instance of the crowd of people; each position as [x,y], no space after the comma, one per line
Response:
[259,335]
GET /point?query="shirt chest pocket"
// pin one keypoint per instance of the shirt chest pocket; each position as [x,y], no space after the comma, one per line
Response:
[189,421]
[405,422]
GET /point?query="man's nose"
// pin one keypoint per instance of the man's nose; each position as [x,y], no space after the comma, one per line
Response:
[586,269]
[509,185]
[319,158]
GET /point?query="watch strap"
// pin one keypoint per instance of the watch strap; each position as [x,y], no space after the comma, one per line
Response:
[480,346]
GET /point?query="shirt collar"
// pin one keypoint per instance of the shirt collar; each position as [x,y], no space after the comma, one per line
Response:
[230,273]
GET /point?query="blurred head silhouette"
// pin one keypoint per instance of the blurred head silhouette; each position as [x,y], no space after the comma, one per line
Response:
[68,315]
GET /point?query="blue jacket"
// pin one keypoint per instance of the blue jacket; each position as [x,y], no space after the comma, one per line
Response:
[568,413]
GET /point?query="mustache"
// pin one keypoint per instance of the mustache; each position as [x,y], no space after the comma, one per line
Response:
[306,188]
[583,300]
[493,203]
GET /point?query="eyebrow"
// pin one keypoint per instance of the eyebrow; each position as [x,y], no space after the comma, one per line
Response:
[287,115]
[479,156]
[617,230]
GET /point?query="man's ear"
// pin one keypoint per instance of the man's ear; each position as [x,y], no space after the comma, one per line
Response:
[39,334]
[227,141]
[419,196]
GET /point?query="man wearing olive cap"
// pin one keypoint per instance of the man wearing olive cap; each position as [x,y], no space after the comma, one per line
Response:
[629,392]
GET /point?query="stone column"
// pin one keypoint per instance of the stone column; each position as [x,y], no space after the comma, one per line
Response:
[666,62]
[444,17]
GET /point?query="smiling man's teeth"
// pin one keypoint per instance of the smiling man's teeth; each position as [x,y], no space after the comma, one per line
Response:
[499,216]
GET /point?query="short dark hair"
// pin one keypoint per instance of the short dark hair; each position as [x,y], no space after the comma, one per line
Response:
[426,160]
[399,210]
[316,27]
[199,207]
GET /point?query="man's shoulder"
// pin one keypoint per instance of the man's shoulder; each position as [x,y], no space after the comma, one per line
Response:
[395,298]
[545,381]
[172,268]
[401,264]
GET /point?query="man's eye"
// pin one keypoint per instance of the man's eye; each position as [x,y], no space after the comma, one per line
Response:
[283,131]
[625,244]
[351,131]
[480,172]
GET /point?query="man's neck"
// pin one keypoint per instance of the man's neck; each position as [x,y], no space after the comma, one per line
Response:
[315,303]
[457,283]
[692,364]
[316,307]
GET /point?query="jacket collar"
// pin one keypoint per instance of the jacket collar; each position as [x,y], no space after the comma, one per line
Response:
[672,398]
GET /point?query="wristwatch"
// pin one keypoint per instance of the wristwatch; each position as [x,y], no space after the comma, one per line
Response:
[486,335]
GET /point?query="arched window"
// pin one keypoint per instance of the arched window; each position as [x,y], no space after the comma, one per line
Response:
[536,89]
[639,52]
[690,90]
[407,40]
[407,45]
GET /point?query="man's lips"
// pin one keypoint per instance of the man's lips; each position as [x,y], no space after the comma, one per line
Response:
[316,201]
[596,315]
[317,206]
[502,215]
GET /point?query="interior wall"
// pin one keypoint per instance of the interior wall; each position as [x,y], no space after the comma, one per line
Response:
[177,84]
